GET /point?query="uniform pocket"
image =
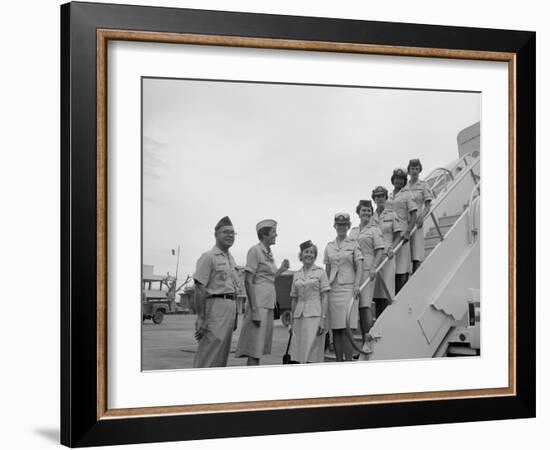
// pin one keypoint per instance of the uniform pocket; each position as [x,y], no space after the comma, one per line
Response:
[221,275]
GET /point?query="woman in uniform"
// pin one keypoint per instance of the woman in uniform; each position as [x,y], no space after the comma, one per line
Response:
[344,266]
[392,230]
[257,331]
[371,244]
[422,195]
[405,208]
[309,295]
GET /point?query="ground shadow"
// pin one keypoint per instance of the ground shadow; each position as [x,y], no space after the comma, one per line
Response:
[51,434]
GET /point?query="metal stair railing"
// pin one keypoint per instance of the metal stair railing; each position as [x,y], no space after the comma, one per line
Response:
[474,200]
[449,172]
[439,200]
[438,178]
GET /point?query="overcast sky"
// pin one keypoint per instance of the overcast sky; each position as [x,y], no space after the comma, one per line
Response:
[297,154]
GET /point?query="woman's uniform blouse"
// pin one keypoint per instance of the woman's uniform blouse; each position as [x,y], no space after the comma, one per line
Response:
[369,240]
[343,260]
[260,263]
[402,204]
[307,289]
[389,223]
[420,192]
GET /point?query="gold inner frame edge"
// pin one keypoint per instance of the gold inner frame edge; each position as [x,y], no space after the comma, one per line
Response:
[103,36]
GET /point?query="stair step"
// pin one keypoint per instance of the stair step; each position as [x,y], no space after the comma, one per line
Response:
[445,223]
[448,220]
[429,244]
[432,238]
[458,350]
[432,232]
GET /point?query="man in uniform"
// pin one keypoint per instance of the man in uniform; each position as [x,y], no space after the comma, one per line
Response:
[216,288]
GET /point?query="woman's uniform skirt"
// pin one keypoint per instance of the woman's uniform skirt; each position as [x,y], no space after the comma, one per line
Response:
[215,344]
[417,245]
[256,341]
[365,301]
[306,345]
[338,301]
[403,259]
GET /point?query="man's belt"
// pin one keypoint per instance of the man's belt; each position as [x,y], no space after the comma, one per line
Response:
[226,296]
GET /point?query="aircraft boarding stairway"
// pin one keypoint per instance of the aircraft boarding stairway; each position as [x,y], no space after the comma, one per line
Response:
[422,320]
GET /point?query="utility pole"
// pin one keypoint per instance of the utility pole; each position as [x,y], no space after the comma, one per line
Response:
[177,264]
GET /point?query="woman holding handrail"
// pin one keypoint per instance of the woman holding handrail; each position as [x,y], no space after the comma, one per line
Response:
[392,229]
[405,208]
[309,295]
[422,195]
[344,266]
[371,243]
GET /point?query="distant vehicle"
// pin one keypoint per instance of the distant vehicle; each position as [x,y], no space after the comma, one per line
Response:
[283,285]
[157,297]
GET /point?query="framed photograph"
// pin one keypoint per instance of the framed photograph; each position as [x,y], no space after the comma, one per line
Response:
[274,224]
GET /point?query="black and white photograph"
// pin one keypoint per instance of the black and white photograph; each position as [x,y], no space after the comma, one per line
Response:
[305,223]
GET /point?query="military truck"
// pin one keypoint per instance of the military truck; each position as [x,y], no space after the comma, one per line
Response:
[158,295]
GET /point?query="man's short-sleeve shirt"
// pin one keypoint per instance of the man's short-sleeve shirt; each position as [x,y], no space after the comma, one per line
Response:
[217,272]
